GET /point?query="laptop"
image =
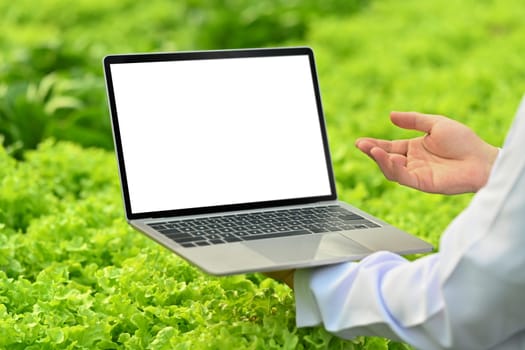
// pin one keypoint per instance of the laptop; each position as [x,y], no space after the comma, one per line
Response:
[223,159]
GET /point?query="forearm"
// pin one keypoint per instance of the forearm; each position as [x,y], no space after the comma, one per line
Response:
[351,299]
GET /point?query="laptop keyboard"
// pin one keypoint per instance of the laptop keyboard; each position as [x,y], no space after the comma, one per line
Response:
[261,225]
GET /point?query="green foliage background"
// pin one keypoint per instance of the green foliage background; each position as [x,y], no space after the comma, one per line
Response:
[74,275]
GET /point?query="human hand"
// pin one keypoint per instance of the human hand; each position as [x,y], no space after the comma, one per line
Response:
[449,159]
[285,276]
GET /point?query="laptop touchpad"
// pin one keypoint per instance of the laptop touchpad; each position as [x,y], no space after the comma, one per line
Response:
[310,248]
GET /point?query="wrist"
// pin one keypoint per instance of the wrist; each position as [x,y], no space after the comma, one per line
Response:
[492,154]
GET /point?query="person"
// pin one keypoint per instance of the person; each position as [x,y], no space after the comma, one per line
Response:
[469,294]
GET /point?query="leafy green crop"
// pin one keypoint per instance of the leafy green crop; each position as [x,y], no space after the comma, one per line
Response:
[74,275]
[51,57]
[54,107]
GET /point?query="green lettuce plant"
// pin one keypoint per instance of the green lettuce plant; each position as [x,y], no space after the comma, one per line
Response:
[74,275]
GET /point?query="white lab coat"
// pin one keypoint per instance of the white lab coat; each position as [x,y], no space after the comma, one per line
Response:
[469,295]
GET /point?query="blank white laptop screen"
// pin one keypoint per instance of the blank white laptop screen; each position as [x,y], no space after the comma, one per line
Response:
[209,132]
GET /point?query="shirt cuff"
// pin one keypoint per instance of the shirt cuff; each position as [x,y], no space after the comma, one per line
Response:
[307,313]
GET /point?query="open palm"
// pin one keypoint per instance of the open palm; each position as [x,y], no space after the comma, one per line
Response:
[450,158]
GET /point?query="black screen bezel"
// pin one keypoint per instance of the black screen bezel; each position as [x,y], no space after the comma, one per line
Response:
[217,54]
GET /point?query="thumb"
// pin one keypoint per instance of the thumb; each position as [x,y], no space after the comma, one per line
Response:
[414,120]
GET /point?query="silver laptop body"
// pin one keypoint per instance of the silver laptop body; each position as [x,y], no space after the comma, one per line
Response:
[223,158]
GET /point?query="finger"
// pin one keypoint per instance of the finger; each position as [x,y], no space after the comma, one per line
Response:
[382,159]
[366,144]
[398,160]
[398,146]
[414,120]
[394,167]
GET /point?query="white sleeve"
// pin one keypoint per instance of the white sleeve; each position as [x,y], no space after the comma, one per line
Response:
[469,295]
